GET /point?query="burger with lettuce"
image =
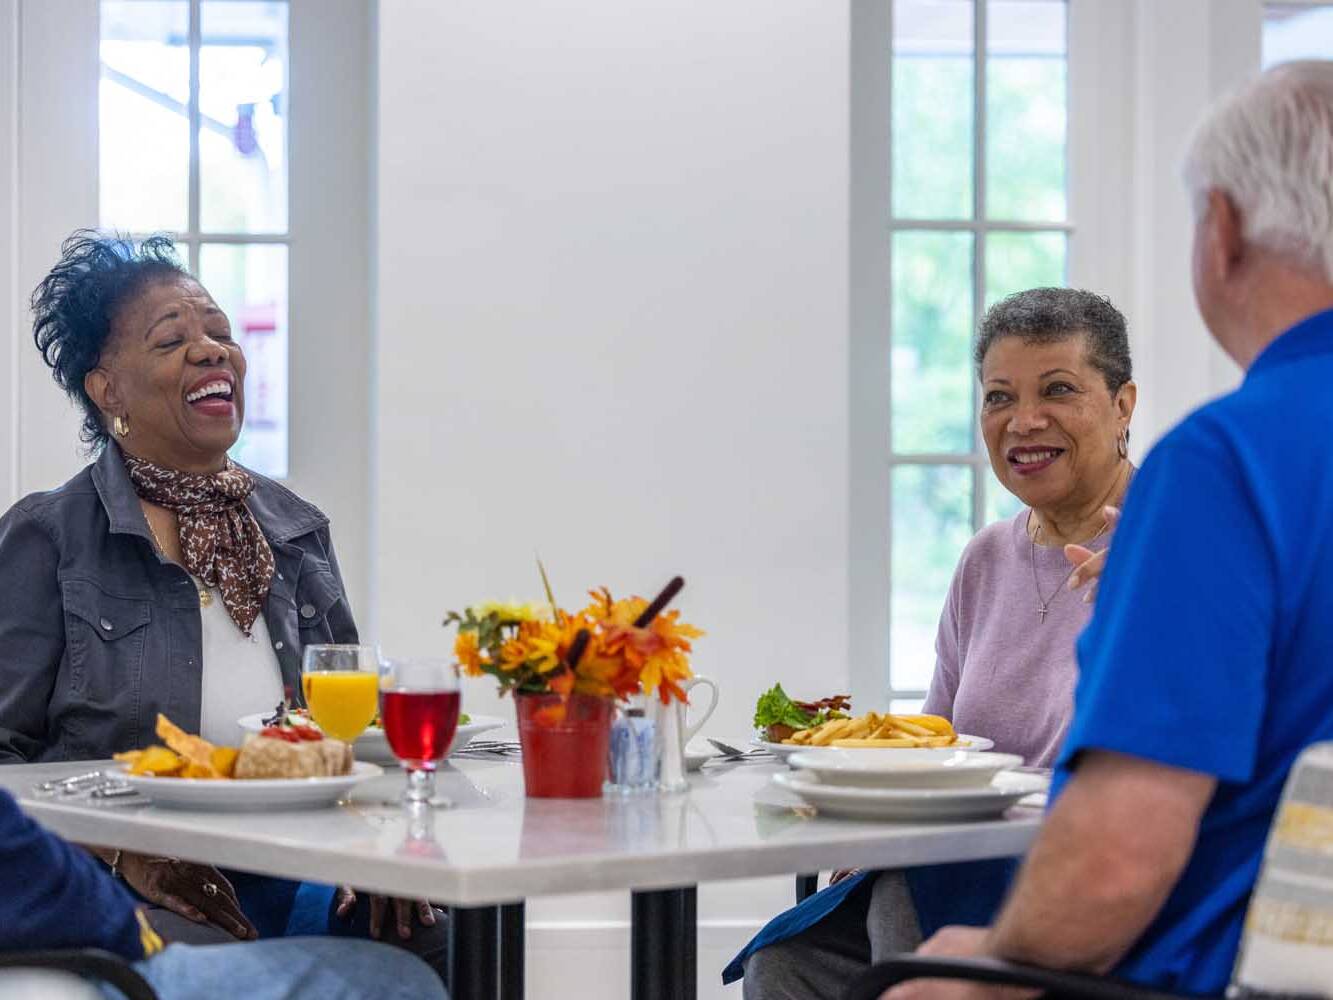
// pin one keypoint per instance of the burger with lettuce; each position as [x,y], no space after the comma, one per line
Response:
[779,716]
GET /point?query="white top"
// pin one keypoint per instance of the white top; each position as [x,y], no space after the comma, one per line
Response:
[495,846]
[241,675]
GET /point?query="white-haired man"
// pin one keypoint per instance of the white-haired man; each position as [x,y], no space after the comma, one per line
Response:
[1208,664]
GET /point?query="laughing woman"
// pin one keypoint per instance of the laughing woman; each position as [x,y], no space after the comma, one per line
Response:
[1057,399]
[164,577]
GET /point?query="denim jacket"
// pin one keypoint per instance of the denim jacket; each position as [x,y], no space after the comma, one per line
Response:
[99,633]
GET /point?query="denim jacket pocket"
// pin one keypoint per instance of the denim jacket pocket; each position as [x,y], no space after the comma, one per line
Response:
[104,637]
[316,593]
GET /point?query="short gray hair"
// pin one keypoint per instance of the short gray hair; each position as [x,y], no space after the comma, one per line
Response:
[1050,315]
[1269,146]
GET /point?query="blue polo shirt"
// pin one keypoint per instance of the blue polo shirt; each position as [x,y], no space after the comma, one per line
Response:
[1211,648]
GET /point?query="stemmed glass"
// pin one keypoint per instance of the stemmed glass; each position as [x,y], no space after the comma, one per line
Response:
[341,686]
[419,704]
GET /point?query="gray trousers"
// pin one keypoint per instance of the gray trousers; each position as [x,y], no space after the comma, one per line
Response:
[821,962]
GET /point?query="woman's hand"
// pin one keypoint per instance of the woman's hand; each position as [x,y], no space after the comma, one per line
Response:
[403,909]
[841,874]
[1090,564]
[197,892]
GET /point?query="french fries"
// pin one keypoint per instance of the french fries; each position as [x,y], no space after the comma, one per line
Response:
[875,730]
[184,756]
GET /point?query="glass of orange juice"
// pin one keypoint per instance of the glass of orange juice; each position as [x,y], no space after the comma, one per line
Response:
[342,688]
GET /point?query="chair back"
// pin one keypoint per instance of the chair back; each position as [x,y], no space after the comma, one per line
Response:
[1287,945]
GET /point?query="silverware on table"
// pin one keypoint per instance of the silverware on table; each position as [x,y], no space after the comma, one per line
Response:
[73,785]
[95,786]
[735,753]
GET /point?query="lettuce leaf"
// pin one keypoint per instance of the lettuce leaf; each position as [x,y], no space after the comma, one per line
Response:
[775,708]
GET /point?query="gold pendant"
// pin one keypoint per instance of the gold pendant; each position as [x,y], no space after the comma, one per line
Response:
[205,598]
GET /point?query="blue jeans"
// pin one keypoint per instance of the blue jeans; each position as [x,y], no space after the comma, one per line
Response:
[288,969]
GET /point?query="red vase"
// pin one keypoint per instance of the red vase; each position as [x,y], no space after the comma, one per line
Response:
[564,744]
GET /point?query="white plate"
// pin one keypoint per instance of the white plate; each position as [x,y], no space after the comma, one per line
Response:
[942,767]
[373,745]
[921,804]
[785,750]
[245,795]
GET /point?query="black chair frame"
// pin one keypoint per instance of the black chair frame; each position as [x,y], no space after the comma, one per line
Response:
[1053,984]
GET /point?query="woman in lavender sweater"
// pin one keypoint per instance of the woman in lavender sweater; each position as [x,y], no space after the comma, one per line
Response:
[1057,399]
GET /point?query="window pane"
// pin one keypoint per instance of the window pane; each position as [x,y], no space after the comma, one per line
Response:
[932,334]
[1296,31]
[933,57]
[1000,503]
[1026,109]
[143,115]
[250,284]
[243,117]
[1015,261]
[931,523]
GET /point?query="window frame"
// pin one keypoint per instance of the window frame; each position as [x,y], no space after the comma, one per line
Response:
[980,227]
[193,238]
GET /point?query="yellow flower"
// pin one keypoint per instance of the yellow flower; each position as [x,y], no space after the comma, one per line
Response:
[468,652]
[513,612]
[512,655]
[543,642]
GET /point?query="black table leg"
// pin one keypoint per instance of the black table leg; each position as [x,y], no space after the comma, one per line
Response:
[806,886]
[474,952]
[664,944]
[511,951]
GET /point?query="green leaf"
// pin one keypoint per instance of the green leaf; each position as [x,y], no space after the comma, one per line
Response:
[546,585]
[775,708]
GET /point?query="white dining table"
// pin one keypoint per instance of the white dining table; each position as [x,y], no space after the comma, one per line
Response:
[492,848]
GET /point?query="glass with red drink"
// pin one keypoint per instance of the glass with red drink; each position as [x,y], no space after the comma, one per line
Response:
[419,705]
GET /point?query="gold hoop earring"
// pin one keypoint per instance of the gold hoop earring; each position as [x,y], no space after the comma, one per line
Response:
[1122,444]
[120,426]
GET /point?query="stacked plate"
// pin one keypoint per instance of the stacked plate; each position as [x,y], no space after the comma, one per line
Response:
[919,785]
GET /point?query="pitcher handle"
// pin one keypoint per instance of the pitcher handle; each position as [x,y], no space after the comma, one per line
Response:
[690,731]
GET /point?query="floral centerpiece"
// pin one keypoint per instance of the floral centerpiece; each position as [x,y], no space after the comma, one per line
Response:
[567,668]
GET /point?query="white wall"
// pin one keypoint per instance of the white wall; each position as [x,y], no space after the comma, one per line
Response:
[57,169]
[612,321]
[9,304]
[1146,72]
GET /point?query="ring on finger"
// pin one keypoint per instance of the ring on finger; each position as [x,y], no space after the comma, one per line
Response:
[211,889]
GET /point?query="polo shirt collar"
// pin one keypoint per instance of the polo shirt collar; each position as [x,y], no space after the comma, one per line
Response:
[1312,335]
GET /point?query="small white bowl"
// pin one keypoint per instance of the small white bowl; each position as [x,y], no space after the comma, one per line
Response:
[904,768]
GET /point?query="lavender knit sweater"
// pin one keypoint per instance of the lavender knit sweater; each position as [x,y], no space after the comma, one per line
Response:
[1000,671]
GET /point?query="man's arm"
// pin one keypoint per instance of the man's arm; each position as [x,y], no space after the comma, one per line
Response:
[52,895]
[1109,854]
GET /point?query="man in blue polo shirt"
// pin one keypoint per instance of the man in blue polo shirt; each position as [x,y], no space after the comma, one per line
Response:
[1208,664]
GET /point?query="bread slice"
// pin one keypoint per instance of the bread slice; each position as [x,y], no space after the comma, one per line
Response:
[266,757]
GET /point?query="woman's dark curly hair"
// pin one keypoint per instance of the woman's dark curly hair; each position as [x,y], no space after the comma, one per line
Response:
[74,305]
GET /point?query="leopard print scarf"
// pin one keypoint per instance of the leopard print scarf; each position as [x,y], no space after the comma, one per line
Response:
[221,540]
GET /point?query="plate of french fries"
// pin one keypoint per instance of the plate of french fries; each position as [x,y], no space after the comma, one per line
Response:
[878,731]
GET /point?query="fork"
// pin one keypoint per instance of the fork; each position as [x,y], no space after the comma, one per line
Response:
[735,753]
